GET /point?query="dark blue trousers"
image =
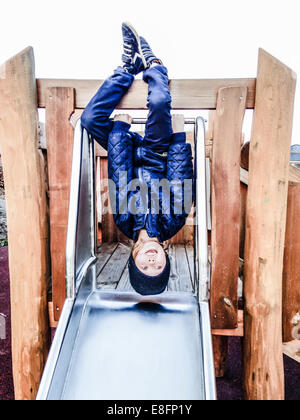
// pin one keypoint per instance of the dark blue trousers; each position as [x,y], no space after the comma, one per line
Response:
[158,130]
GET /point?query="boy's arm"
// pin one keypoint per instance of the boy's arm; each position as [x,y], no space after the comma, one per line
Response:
[120,148]
[97,124]
[180,161]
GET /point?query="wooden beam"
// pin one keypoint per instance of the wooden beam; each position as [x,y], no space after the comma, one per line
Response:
[59,134]
[220,350]
[25,190]
[243,205]
[294,175]
[186,94]
[291,266]
[236,332]
[294,172]
[52,322]
[225,185]
[265,229]
[220,344]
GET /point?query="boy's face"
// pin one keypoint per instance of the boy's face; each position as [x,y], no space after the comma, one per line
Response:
[151,258]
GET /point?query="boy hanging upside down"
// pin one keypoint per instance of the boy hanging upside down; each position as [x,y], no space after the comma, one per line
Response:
[152,175]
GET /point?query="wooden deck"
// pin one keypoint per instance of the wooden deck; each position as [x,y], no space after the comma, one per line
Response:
[112,270]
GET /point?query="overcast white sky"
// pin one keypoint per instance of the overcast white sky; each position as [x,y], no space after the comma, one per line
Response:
[195,38]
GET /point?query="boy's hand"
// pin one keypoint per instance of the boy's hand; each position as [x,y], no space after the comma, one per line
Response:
[178,123]
[123,117]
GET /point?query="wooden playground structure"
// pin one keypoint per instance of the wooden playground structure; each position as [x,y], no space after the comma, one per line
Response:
[255,207]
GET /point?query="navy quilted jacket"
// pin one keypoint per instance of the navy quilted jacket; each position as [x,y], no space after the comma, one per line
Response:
[149,190]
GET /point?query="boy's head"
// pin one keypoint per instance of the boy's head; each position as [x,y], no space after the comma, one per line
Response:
[149,267]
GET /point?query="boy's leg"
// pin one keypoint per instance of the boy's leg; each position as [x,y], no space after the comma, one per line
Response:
[158,129]
[95,117]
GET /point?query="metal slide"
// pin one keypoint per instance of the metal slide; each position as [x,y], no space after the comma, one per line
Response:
[120,345]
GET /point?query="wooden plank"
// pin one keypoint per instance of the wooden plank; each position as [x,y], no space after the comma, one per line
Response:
[243,204]
[59,134]
[294,174]
[186,94]
[113,269]
[209,135]
[225,184]
[220,350]
[190,259]
[98,192]
[174,278]
[245,155]
[124,283]
[244,176]
[180,278]
[183,269]
[52,322]
[25,191]
[104,253]
[291,266]
[292,349]
[265,229]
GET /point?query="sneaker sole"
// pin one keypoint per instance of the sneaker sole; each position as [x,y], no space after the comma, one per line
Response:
[138,42]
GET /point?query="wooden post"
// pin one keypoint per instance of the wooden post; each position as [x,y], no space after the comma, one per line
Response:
[220,349]
[25,190]
[291,268]
[59,134]
[226,209]
[265,229]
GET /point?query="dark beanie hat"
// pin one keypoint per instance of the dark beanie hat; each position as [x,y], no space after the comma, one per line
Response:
[148,285]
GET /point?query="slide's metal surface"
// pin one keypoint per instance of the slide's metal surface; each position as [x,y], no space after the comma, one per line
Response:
[129,348]
[120,345]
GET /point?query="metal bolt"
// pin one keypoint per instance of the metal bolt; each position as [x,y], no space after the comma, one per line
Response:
[227,301]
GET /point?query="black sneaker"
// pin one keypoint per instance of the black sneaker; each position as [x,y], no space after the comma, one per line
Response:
[132,57]
[148,54]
